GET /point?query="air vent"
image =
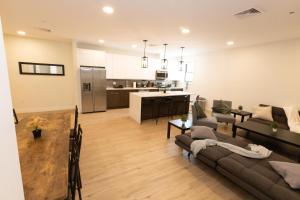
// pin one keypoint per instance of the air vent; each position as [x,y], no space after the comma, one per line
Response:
[247,13]
[45,29]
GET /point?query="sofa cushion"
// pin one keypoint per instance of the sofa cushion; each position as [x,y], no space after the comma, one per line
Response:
[227,118]
[263,112]
[259,174]
[289,171]
[199,111]
[202,132]
[220,106]
[266,122]
[208,121]
[278,114]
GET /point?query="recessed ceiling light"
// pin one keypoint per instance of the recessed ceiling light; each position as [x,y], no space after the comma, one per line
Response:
[21,32]
[108,10]
[230,43]
[185,30]
[134,46]
[101,41]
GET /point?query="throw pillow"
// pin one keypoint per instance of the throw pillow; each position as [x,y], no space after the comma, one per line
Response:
[200,112]
[202,132]
[289,171]
[222,107]
[263,113]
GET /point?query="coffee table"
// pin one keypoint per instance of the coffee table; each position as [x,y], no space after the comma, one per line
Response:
[282,135]
[179,124]
[241,113]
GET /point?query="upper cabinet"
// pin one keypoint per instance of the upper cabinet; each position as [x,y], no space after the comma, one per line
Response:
[129,67]
[89,57]
[173,71]
[120,66]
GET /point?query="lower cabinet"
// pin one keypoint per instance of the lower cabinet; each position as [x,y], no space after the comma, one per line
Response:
[120,98]
[117,98]
[155,107]
[114,99]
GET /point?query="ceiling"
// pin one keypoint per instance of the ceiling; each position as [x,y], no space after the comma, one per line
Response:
[211,22]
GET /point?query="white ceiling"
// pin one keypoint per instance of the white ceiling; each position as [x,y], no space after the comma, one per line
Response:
[211,22]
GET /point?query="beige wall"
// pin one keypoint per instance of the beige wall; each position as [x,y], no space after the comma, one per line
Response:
[248,76]
[32,93]
[11,181]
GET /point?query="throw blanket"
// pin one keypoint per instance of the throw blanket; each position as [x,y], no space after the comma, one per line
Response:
[293,119]
[257,151]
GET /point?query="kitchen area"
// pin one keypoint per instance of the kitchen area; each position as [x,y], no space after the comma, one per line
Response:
[120,76]
[118,91]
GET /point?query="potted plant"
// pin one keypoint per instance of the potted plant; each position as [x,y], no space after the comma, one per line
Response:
[184,119]
[36,124]
[274,126]
[240,107]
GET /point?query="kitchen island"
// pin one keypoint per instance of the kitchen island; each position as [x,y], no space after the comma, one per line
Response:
[152,105]
[119,97]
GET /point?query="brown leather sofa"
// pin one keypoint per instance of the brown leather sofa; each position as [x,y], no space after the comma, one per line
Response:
[254,175]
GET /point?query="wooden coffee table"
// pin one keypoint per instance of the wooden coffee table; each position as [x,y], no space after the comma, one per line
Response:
[282,135]
[179,124]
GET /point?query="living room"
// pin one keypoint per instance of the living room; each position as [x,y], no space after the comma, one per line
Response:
[181,108]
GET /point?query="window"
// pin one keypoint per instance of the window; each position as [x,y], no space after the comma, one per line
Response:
[41,69]
[188,74]
[189,70]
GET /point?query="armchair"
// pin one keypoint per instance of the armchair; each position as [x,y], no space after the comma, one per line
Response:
[207,121]
[223,117]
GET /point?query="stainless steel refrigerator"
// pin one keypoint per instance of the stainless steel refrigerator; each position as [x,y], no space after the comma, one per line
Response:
[93,89]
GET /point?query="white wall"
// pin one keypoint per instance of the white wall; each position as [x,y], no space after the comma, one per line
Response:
[32,93]
[11,181]
[248,76]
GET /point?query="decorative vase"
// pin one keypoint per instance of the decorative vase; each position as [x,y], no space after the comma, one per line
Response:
[240,107]
[183,124]
[274,130]
[37,133]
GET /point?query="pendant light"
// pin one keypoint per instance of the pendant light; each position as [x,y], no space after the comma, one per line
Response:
[164,61]
[145,58]
[181,62]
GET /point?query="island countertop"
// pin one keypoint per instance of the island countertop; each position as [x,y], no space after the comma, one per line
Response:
[142,88]
[159,94]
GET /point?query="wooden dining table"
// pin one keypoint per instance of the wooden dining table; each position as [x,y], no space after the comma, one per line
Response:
[44,161]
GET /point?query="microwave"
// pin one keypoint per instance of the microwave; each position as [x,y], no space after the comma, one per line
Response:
[161,75]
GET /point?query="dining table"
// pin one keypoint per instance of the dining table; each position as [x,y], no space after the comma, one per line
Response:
[44,160]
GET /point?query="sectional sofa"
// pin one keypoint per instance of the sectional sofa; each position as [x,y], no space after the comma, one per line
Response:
[254,175]
[278,115]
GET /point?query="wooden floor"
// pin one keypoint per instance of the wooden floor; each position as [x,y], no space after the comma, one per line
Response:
[124,160]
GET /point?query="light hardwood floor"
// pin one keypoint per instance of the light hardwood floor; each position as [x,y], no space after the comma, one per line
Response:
[124,160]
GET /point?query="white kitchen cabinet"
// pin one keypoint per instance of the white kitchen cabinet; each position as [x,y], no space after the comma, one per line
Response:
[129,67]
[125,67]
[109,66]
[89,57]
[119,66]
[173,71]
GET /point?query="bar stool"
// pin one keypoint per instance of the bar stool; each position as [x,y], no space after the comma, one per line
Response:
[164,102]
